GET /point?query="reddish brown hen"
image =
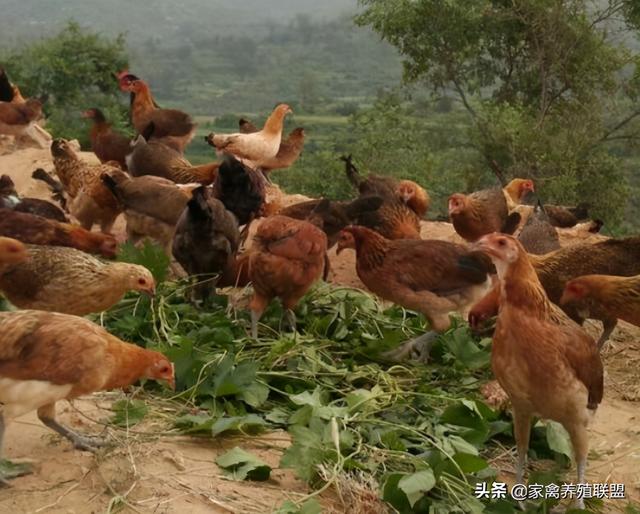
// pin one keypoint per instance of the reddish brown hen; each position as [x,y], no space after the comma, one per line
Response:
[107,144]
[548,365]
[286,258]
[46,357]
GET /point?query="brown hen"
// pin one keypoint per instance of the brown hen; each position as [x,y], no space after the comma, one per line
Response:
[107,144]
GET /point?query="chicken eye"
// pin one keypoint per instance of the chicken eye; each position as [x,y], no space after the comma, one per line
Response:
[502,242]
[142,281]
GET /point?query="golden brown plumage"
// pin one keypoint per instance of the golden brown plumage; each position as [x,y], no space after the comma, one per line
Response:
[59,279]
[172,126]
[91,201]
[288,152]
[156,158]
[20,118]
[548,365]
[517,189]
[618,297]
[286,258]
[395,219]
[46,357]
[33,229]
[12,251]
[414,196]
[480,213]
[255,147]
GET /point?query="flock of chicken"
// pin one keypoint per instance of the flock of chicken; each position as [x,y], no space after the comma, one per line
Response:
[512,268]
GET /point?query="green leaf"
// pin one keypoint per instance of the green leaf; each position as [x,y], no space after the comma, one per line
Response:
[311,506]
[392,494]
[416,485]
[465,350]
[470,463]
[251,423]
[128,412]
[255,394]
[558,439]
[151,255]
[9,470]
[241,465]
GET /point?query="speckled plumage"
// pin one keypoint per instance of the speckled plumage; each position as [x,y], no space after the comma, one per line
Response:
[66,280]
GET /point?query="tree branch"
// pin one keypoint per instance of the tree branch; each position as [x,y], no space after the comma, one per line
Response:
[618,126]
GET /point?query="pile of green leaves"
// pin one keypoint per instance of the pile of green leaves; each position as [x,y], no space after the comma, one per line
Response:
[421,431]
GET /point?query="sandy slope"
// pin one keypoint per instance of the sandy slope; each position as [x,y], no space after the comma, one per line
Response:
[167,474]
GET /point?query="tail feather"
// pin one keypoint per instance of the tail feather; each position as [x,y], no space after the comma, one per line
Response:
[112,186]
[363,204]
[511,223]
[352,172]
[580,211]
[475,266]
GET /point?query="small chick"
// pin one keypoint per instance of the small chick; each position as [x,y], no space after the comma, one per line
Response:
[69,281]
[46,357]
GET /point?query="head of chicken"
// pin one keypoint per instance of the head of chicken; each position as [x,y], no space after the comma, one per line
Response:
[12,251]
[503,249]
[61,148]
[125,78]
[457,203]
[133,86]
[346,240]
[160,368]
[575,290]
[526,186]
[138,278]
[282,110]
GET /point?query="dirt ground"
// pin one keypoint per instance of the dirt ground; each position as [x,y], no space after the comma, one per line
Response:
[152,471]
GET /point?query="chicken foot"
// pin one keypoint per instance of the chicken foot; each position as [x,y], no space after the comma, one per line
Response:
[608,326]
[46,414]
[8,469]
[418,348]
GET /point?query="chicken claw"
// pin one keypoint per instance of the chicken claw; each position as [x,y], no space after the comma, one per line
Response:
[417,349]
[80,442]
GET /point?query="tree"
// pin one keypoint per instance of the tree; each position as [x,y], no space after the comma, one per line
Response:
[74,70]
[540,79]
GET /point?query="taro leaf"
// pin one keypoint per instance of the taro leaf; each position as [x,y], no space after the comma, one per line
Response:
[150,255]
[230,379]
[255,394]
[558,439]
[241,465]
[474,428]
[9,470]
[311,506]
[465,349]
[250,423]
[417,484]
[393,495]
[470,463]
[128,412]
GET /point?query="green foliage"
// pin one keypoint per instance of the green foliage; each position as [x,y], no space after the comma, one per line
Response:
[150,255]
[74,70]
[241,465]
[128,413]
[547,91]
[422,432]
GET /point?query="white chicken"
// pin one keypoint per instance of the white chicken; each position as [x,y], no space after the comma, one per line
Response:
[257,146]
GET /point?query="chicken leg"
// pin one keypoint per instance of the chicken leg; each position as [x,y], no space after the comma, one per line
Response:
[47,414]
[418,348]
[608,327]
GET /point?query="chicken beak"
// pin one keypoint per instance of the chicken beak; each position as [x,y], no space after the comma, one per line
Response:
[150,292]
[172,383]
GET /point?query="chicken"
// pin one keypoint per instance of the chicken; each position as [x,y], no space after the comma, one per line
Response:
[20,119]
[538,235]
[124,81]
[415,197]
[46,357]
[246,127]
[286,258]
[172,126]
[206,240]
[288,153]
[420,275]
[548,365]
[12,251]
[338,215]
[516,190]
[66,280]
[617,297]
[32,229]
[6,88]
[91,202]
[256,147]
[619,257]
[57,189]
[480,213]
[394,219]
[9,199]
[566,217]
[152,206]
[240,189]
[156,158]
[105,143]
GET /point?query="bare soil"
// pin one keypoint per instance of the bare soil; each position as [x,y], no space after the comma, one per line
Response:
[151,470]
